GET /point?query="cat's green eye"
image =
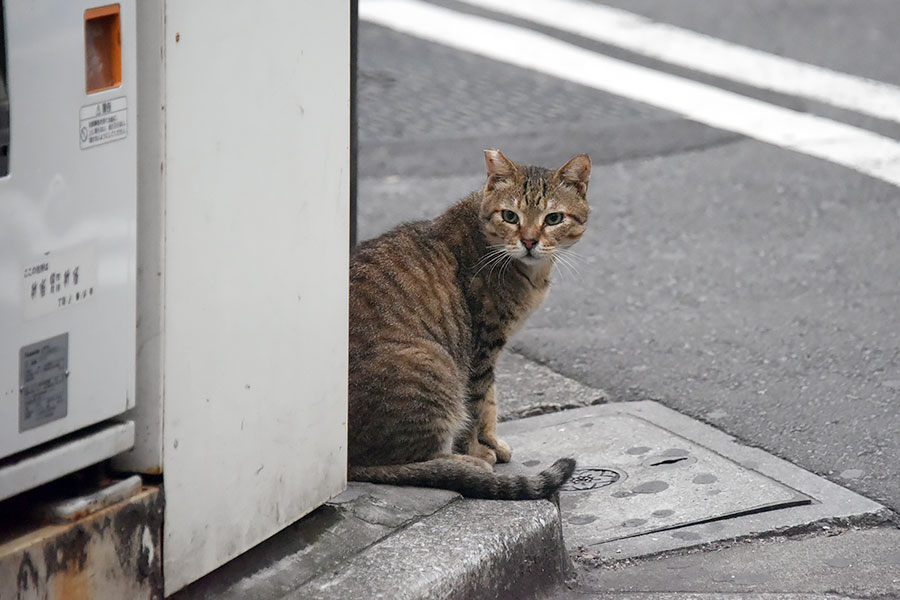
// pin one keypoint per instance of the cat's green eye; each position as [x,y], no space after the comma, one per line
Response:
[509,216]
[553,218]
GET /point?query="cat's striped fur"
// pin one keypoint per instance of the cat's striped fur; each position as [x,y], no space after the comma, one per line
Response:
[431,305]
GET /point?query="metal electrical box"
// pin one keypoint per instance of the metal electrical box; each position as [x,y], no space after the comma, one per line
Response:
[67,235]
[243,179]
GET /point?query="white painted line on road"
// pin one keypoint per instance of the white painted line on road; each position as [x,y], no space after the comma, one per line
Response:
[707,54]
[842,144]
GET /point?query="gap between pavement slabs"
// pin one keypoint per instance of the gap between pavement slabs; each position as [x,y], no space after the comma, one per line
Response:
[653,487]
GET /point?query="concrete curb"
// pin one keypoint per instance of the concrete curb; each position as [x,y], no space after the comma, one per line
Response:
[469,549]
[403,543]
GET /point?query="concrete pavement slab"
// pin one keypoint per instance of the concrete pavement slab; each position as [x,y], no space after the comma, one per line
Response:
[525,389]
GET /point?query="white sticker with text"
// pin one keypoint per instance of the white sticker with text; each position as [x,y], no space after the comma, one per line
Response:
[103,122]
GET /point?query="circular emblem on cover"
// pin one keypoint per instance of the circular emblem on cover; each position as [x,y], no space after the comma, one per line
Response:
[591,478]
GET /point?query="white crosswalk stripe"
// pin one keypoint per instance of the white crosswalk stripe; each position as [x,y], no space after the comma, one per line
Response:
[707,54]
[856,148]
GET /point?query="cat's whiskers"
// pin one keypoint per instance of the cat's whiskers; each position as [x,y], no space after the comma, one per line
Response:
[489,254]
[493,262]
[490,257]
[504,268]
[486,261]
[504,259]
[561,256]
[576,274]
[571,253]
[559,268]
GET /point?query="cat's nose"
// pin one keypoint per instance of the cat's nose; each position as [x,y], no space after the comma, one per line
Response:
[529,244]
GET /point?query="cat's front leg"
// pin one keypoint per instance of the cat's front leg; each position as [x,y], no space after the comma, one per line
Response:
[477,450]
[468,440]
[487,428]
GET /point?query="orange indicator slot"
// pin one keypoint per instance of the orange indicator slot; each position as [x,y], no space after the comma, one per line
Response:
[102,48]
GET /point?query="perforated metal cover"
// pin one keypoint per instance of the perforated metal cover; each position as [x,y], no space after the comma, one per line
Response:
[635,477]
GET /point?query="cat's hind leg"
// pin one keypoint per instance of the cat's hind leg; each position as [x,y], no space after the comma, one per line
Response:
[407,406]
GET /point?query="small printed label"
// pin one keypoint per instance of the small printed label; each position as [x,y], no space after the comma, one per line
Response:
[103,122]
[43,382]
[59,280]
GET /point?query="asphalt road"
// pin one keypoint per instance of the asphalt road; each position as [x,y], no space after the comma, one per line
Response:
[748,285]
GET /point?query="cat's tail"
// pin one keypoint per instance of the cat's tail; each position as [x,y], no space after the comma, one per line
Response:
[468,479]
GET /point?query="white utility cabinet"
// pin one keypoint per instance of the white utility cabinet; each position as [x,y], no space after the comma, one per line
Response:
[67,236]
[242,269]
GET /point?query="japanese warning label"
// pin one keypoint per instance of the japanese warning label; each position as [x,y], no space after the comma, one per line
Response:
[103,122]
[43,386]
[58,280]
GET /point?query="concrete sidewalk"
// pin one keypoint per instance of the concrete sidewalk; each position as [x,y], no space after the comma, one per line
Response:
[662,506]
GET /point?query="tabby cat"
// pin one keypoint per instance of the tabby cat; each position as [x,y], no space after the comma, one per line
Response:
[431,305]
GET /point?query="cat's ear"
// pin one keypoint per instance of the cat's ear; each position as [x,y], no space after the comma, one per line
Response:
[576,172]
[499,168]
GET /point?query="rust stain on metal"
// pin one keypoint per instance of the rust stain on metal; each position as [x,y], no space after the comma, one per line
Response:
[27,577]
[113,553]
[72,583]
[67,551]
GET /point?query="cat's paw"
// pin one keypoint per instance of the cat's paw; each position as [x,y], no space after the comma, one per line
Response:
[484,453]
[502,451]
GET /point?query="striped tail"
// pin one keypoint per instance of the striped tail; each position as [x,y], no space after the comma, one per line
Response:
[469,480]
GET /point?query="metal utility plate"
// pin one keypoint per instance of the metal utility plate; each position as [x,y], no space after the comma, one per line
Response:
[68,454]
[665,481]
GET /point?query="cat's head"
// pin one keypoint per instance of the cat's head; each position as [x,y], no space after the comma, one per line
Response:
[532,212]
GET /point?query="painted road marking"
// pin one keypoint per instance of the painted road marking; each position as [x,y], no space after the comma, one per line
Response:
[707,54]
[839,143]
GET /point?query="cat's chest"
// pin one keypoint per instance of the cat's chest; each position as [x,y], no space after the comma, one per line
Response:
[503,312]
[528,302]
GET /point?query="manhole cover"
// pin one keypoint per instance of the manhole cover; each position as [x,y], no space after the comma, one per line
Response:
[590,479]
[635,477]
